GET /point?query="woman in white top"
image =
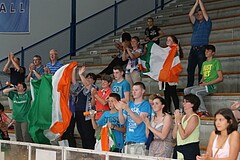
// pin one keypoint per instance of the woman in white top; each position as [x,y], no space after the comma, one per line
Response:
[224,141]
[160,126]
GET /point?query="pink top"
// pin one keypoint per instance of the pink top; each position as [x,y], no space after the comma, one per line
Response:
[223,152]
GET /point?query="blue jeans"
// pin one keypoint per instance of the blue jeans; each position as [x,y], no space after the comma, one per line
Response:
[196,57]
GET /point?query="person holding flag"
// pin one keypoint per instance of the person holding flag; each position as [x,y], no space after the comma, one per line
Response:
[164,66]
[110,118]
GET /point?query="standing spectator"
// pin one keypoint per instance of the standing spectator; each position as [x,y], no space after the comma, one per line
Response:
[111,119]
[52,66]
[187,129]
[170,92]
[21,104]
[132,73]
[36,68]
[117,59]
[202,26]
[211,75]
[133,113]
[120,85]
[99,98]
[17,72]
[81,102]
[224,141]
[152,32]
[160,126]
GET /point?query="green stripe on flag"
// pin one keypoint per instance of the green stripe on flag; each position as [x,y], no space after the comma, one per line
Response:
[40,114]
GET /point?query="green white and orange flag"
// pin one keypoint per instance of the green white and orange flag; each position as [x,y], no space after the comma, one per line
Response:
[161,64]
[50,115]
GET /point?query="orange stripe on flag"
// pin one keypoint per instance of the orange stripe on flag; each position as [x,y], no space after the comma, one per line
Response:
[105,139]
[64,89]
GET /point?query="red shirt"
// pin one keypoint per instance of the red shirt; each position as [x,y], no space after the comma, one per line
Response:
[104,95]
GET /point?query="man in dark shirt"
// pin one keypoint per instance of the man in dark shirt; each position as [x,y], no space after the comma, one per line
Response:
[16,72]
[152,32]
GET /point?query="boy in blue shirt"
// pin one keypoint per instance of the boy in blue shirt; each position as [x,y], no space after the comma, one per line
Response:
[111,119]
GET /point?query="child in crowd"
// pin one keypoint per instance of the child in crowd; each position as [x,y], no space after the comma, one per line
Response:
[211,75]
[4,122]
[111,119]
[224,140]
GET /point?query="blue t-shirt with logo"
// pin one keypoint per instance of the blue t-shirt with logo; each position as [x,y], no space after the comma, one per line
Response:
[113,118]
[121,87]
[136,132]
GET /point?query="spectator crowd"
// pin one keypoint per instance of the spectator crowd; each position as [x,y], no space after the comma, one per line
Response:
[139,126]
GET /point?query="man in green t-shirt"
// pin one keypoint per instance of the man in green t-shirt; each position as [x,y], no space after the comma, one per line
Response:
[211,75]
[21,104]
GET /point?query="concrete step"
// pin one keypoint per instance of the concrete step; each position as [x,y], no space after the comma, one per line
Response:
[230,84]
[230,22]
[229,63]
[180,15]
[228,47]
[185,39]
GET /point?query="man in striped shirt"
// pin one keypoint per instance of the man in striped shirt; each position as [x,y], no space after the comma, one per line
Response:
[52,66]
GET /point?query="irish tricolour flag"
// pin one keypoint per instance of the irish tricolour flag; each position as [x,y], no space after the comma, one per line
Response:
[50,115]
[161,64]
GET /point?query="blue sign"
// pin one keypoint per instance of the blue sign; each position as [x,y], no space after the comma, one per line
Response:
[14,16]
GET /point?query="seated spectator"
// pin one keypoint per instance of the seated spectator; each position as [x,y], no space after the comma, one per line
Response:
[211,75]
[132,73]
[52,66]
[152,32]
[36,68]
[224,140]
[16,72]
[111,119]
[160,126]
[117,61]
[235,107]
[187,129]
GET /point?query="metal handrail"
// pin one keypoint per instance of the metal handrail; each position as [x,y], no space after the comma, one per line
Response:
[115,28]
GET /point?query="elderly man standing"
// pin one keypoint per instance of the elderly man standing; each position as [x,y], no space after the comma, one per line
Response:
[52,66]
[202,26]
